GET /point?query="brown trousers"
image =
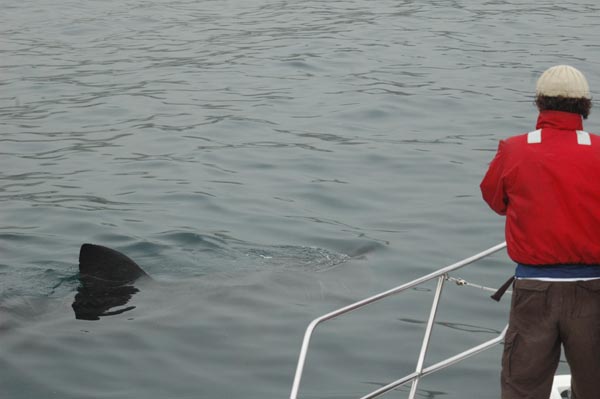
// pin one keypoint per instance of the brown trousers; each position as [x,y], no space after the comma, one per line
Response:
[543,316]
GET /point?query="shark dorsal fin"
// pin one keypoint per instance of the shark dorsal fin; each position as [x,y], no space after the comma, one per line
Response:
[104,263]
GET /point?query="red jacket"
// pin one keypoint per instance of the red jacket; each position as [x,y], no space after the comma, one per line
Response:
[547,183]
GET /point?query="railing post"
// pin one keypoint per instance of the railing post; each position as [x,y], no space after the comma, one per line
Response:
[426,338]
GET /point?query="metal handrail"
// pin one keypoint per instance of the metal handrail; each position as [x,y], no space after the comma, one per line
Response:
[441,275]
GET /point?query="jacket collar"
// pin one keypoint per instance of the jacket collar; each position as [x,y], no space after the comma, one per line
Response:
[559,120]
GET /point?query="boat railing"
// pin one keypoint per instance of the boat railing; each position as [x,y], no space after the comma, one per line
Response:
[441,275]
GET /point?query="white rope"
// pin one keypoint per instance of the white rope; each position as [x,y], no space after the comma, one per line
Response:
[463,282]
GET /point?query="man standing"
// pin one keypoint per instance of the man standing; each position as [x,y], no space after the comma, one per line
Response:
[547,183]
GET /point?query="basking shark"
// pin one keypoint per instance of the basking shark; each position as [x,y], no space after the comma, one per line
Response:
[108,278]
[106,282]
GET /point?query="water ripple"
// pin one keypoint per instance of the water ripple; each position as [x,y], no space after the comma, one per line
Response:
[262,142]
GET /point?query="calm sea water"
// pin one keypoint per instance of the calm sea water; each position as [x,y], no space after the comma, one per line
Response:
[266,162]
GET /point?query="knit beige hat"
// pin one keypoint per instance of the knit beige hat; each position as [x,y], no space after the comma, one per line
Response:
[563,80]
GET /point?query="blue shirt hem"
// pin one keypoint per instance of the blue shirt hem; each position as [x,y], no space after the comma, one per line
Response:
[557,271]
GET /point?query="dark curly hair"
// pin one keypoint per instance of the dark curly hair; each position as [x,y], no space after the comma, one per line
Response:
[579,106]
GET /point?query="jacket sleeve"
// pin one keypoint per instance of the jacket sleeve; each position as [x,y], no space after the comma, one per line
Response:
[493,184]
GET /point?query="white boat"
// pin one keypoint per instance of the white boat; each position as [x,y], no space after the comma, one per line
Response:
[560,388]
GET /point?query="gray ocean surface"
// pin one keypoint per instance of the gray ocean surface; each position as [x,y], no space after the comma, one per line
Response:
[266,162]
